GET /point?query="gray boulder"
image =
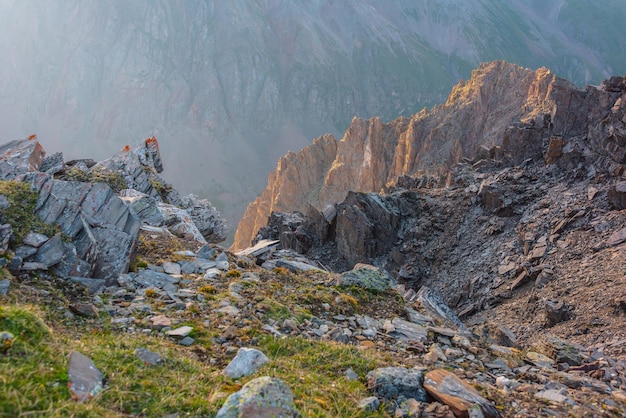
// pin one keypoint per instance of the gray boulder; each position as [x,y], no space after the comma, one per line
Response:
[263,397]
[246,362]
[397,384]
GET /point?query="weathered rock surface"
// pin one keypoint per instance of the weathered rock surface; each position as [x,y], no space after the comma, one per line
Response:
[263,397]
[20,157]
[100,230]
[532,107]
[397,384]
[246,362]
[457,394]
[85,380]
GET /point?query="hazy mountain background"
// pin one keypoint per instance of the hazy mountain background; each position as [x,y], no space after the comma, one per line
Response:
[229,86]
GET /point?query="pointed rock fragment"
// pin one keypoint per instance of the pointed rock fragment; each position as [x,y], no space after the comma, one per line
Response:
[85,378]
[457,394]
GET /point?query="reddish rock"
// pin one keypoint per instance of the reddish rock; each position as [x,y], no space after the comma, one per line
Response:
[457,394]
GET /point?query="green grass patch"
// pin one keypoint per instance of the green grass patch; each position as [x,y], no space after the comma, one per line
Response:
[314,370]
[21,211]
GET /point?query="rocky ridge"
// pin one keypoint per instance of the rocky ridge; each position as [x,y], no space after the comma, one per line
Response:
[98,210]
[502,105]
[528,233]
[408,352]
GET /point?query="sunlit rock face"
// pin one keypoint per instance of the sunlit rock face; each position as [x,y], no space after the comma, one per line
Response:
[503,111]
[228,87]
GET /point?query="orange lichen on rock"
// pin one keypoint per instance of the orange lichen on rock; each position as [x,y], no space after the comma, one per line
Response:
[32,137]
[126,148]
[152,140]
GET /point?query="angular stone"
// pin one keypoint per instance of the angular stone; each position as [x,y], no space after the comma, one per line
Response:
[180,332]
[246,362]
[19,157]
[143,206]
[180,223]
[85,380]
[369,404]
[4,286]
[557,311]
[397,384]
[150,278]
[296,266]
[15,265]
[34,239]
[91,213]
[408,331]
[71,265]
[206,218]
[148,357]
[263,397]
[538,359]
[93,285]
[457,394]
[84,309]
[52,164]
[616,238]
[436,308]
[51,252]
[260,248]
[171,268]
[552,395]
[25,251]
[228,310]
[560,350]
[6,231]
[366,278]
[187,341]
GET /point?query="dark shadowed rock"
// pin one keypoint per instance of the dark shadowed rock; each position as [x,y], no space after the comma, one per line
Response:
[617,195]
[397,384]
[85,380]
[457,394]
[366,226]
[263,397]
[52,164]
[557,311]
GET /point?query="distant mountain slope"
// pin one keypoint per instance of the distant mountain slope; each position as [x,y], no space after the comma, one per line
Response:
[228,87]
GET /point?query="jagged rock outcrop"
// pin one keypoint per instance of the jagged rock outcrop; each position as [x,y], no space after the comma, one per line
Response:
[504,112]
[99,229]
